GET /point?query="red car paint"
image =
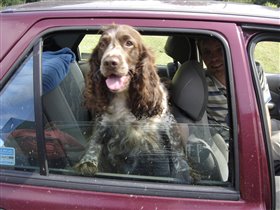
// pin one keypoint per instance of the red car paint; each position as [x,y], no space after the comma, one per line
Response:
[20,29]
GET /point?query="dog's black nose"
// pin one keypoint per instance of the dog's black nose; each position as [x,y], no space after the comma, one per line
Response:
[112,62]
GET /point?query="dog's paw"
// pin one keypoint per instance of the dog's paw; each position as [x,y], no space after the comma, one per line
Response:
[86,168]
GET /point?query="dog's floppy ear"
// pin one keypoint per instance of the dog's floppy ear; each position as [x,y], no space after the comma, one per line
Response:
[96,96]
[145,94]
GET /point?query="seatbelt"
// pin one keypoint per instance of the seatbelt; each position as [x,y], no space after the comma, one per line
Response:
[219,157]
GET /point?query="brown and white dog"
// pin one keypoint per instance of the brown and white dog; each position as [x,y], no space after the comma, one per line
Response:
[134,131]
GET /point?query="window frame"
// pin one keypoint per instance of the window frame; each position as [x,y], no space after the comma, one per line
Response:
[124,186]
[38,106]
[263,35]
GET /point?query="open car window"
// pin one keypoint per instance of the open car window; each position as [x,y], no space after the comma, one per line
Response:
[264,52]
[69,126]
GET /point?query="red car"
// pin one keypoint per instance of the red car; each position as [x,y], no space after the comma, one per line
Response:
[44,127]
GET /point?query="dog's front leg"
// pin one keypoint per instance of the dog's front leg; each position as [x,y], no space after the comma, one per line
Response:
[88,165]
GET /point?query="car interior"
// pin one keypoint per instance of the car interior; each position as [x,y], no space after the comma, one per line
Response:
[188,98]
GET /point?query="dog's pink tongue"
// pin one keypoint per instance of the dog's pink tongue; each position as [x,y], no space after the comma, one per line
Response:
[115,83]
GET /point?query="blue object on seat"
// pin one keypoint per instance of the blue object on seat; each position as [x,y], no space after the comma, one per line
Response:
[55,66]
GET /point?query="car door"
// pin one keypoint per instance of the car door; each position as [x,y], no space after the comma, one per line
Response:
[264,49]
[45,178]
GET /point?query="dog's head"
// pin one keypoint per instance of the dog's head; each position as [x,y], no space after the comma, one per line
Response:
[121,62]
[119,48]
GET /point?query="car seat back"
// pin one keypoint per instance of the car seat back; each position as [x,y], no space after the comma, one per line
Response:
[64,104]
[189,93]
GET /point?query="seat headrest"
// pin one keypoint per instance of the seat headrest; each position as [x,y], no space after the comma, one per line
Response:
[189,90]
[178,48]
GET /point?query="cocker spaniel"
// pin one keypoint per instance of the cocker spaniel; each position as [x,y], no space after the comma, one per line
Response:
[134,132]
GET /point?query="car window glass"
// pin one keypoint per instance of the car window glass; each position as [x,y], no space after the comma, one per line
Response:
[267,60]
[17,117]
[204,163]
[201,154]
[266,63]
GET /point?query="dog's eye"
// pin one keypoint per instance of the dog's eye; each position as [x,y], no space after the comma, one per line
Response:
[102,44]
[128,43]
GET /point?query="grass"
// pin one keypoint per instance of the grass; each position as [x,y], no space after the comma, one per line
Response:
[155,43]
[267,53]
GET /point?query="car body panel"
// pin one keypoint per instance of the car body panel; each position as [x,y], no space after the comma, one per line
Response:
[208,7]
[33,197]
